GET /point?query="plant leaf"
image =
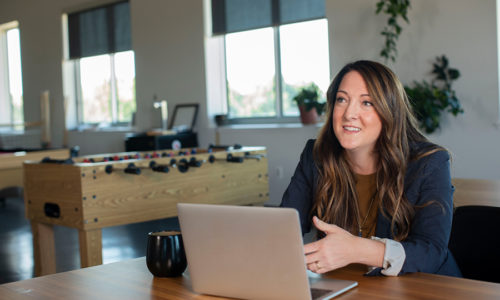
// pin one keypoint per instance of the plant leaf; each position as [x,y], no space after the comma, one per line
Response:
[453,74]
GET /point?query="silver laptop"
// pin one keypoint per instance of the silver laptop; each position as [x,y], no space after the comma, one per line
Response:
[250,253]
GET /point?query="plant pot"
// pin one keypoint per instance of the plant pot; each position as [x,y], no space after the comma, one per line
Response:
[220,120]
[308,117]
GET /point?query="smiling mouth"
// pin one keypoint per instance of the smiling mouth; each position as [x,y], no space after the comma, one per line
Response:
[351,129]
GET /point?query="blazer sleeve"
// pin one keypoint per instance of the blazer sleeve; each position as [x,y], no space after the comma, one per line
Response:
[300,191]
[426,246]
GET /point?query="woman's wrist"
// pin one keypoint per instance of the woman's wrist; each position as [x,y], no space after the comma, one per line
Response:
[368,252]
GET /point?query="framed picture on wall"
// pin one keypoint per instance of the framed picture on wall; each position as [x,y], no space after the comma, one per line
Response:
[184,117]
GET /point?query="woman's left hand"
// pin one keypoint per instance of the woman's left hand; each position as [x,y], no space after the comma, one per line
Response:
[334,251]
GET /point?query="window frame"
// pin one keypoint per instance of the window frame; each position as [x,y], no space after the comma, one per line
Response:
[72,86]
[4,64]
[113,89]
[279,118]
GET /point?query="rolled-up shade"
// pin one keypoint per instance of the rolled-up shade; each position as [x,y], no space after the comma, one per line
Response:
[240,15]
[100,30]
[292,11]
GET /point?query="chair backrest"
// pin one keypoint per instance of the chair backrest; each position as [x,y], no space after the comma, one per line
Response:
[475,242]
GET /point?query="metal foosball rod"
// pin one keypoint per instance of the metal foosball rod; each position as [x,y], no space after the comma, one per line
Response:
[225,147]
[255,156]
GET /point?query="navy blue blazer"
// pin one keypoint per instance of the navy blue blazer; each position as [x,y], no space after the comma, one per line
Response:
[427,179]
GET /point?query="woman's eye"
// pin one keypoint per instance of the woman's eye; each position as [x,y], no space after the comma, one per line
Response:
[367,103]
[340,99]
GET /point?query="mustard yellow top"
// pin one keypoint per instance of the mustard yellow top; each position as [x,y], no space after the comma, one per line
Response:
[368,205]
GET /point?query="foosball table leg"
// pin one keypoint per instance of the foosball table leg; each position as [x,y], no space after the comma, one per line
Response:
[90,247]
[43,248]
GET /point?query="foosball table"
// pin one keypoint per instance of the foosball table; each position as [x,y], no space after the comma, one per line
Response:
[92,192]
[11,169]
[11,164]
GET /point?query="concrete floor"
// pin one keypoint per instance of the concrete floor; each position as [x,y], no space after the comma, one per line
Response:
[16,246]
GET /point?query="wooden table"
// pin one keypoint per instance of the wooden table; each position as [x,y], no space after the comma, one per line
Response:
[131,280]
[476,192]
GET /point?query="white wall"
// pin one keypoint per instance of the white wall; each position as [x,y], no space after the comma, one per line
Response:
[168,40]
[465,31]
[41,53]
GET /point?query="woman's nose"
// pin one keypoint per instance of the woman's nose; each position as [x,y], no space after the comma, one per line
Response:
[352,111]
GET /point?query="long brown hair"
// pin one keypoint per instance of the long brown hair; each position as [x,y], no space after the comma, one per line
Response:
[335,199]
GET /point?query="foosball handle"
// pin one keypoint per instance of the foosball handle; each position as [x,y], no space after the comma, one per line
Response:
[183,165]
[194,163]
[108,169]
[73,152]
[132,169]
[161,168]
[234,159]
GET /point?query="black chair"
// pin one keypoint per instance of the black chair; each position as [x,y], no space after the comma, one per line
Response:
[475,242]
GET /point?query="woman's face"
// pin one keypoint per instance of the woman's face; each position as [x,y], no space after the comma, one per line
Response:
[356,124]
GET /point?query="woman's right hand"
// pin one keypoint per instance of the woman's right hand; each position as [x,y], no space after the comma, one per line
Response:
[333,251]
[340,248]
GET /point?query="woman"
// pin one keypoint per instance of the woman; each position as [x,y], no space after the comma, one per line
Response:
[378,192]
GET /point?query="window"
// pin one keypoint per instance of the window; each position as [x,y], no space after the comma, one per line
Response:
[107,88]
[252,62]
[11,86]
[272,49]
[99,49]
[250,73]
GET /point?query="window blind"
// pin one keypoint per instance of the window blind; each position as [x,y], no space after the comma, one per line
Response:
[292,11]
[100,30]
[239,15]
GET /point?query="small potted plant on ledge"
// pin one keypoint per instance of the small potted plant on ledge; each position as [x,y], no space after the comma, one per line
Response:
[308,103]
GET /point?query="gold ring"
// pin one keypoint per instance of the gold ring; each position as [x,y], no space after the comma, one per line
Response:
[317,265]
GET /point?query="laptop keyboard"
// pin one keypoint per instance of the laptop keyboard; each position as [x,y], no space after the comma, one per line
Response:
[318,293]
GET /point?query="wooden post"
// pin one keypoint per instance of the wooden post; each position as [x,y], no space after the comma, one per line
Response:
[43,248]
[217,136]
[65,129]
[90,247]
[45,118]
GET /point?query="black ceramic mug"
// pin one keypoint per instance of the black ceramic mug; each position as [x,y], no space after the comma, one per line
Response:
[165,256]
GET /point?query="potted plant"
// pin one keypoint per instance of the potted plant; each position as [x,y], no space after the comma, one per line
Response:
[307,100]
[430,99]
